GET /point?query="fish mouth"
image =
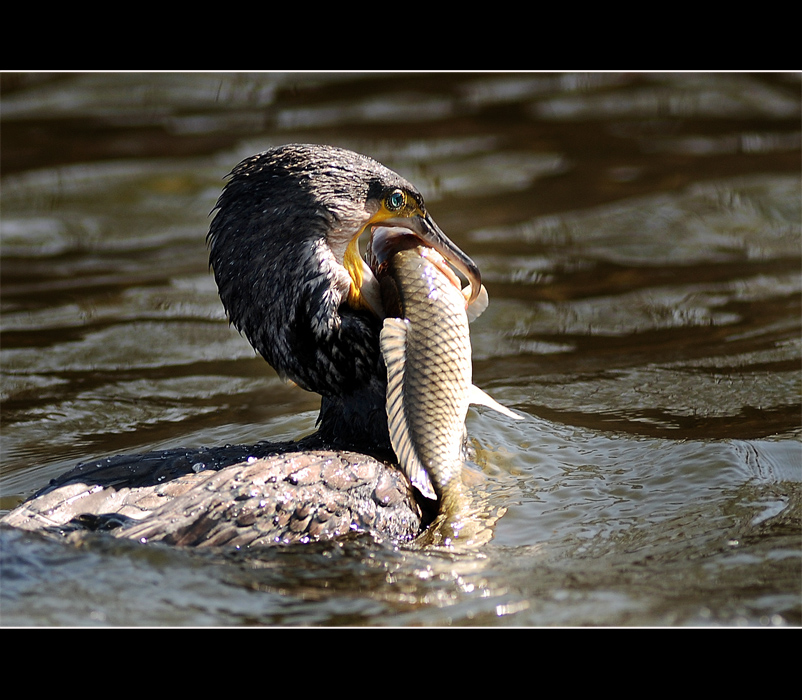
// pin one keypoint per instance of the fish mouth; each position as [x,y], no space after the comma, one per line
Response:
[385,241]
[389,234]
[430,235]
[393,236]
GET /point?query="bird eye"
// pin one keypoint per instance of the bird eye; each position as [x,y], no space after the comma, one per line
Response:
[395,200]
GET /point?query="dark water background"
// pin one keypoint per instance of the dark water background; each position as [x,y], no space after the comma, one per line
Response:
[639,235]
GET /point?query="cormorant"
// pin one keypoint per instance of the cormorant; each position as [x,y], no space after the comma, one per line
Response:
[284,252]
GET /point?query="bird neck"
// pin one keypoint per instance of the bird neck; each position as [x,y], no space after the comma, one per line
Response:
[356,420]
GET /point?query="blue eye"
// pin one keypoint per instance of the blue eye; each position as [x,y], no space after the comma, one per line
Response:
[395,200]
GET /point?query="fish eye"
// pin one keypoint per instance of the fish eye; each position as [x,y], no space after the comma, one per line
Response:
[395,200]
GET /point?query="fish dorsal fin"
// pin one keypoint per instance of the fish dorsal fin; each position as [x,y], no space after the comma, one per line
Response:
[477,307]
[394,349]
[479,397]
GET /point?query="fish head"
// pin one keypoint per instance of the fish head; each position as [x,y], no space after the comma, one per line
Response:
[399,213]
[386,241]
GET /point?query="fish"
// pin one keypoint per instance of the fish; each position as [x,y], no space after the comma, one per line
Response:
[426,346]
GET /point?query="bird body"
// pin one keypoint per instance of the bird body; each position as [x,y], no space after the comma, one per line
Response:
[283,247]
[233,496]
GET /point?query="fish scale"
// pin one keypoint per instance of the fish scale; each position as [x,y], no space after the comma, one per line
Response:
[438,368]
[428,356]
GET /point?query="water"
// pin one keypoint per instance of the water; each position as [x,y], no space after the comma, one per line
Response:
[639,235]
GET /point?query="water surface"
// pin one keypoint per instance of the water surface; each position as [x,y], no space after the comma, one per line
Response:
[639,235]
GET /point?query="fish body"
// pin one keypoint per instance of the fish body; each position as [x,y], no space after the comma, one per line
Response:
[425,342]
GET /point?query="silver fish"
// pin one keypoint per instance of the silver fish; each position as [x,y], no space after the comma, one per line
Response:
[426,346]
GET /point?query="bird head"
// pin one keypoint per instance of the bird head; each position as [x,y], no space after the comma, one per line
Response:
[284,248]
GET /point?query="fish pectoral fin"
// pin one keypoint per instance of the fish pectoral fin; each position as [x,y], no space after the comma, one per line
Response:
[477,307]
[478,397]
[393,340]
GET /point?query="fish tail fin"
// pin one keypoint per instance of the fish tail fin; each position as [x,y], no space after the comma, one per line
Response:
[393,341]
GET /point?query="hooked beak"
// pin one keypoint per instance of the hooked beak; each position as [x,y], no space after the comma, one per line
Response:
[424,227]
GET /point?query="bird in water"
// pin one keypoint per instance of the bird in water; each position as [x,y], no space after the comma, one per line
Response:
[285,256]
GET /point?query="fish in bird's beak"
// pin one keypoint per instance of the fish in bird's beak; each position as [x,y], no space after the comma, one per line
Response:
[425,343]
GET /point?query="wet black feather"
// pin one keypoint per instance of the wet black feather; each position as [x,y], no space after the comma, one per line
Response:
[281,287]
